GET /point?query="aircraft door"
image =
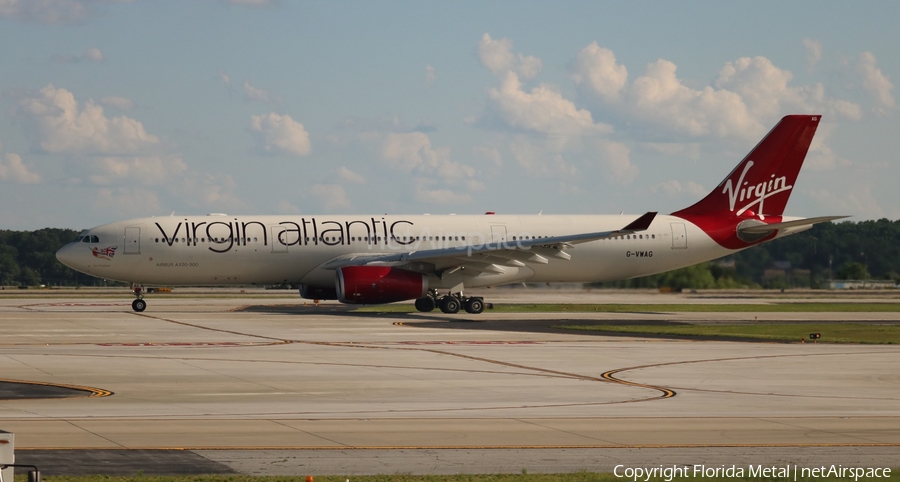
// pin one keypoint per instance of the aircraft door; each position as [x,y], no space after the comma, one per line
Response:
[679,236]
[279,237]
[133,240]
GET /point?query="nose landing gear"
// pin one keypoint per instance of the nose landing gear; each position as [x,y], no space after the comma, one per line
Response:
[138,304]
[450,303]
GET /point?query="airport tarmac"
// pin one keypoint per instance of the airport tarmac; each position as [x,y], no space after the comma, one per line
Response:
[275,386]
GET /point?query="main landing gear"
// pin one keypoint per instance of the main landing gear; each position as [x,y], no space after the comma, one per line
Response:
[450,303]
[138,304]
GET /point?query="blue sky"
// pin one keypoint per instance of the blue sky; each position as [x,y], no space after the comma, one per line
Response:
[115,109]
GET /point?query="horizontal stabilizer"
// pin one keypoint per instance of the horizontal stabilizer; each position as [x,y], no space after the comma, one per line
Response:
[768,228]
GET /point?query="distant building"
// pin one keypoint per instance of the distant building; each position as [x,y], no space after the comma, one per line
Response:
[726,263]
[851,284]
[782,265]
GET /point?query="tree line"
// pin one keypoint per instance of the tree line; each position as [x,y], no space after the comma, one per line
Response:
[828,251]
[865,250]
[28,258]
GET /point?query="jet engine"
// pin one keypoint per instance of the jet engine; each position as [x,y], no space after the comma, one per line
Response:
[378,284]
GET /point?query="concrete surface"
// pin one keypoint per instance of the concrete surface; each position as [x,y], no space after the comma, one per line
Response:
[295,388]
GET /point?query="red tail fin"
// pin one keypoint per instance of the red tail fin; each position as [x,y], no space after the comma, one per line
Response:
[761,184]
[759,187]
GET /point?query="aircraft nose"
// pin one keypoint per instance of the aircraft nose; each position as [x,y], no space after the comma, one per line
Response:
[66,256]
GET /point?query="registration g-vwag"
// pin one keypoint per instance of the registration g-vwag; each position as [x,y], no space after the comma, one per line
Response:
[434,259]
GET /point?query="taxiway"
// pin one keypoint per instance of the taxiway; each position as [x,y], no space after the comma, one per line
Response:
[274,386]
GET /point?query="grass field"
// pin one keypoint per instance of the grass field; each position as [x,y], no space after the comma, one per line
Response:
[810,307]
[869,333]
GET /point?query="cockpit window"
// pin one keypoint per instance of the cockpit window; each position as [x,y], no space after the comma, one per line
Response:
[87,239]
[95,239]
[78,239]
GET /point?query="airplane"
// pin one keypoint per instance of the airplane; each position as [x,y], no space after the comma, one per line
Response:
[373,259]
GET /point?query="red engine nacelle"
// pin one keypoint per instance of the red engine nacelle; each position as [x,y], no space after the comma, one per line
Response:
[378,284]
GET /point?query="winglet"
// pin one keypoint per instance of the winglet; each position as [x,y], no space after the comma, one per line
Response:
[641,223]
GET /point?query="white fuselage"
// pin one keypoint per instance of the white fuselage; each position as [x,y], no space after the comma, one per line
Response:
[262,250]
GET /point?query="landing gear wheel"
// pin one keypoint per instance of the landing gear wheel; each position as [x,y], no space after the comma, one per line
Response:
[450,304]
[139,305]
[474,305]
[425,304]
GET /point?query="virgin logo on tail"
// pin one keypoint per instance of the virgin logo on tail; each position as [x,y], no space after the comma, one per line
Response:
[754,194]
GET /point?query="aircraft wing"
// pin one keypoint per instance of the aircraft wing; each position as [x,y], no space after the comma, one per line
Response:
[508,252]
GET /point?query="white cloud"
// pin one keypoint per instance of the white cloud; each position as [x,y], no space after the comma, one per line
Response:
[93,55]
[543,110]
[259,95]
[430,75]
[89,55]
[279,134]
[44,11]
[497,56]
[226,79]
[823,158]
[150,170]
[425,195]
[12,169]
[286,207]
[489,154]
[103,151]
[410,150]
[349,176]
[568,189]
[166,177]
[750,94]
[617,162]
[876,83]
[118,102]
[331,196]
[597,72]
[820,156]
[539,162]
[691,150]
[205,190]
[661,98]
[765,90]
[813,51]
[123,202]
[53,120]
[857,199]
[674,188]
[413,151]
[761,85]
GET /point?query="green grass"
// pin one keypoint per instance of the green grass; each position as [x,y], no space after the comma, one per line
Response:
[813,307]
[783,332]
[524,477]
